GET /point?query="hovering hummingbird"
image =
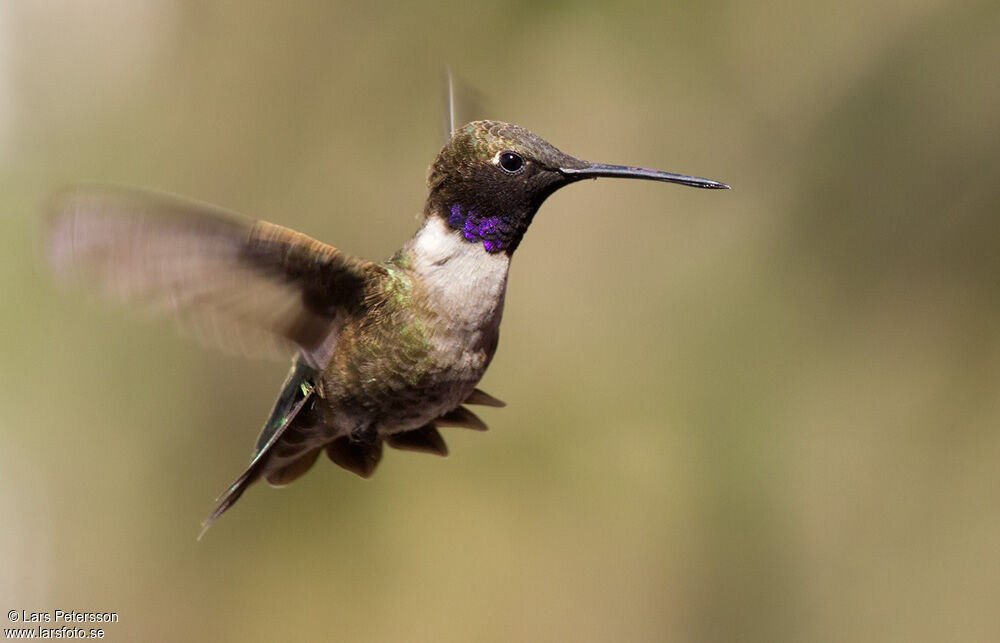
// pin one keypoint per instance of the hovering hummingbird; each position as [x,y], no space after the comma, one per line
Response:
[386,352]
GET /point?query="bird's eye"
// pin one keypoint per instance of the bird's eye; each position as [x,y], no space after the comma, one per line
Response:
[510,162]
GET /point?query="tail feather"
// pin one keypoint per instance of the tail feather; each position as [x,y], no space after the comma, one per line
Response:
[426,439]
[482,398]
[229,497]
[297,390]
[288,427]
[291,472]
[357,457]
[463,417]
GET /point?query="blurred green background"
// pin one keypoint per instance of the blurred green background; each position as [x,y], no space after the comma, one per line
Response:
[770,414]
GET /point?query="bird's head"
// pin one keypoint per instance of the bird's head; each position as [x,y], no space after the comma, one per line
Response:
[491,177]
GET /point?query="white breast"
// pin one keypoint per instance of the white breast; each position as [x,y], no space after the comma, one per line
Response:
[466,283]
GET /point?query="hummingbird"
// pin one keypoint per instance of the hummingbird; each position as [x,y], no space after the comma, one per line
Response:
[385,353]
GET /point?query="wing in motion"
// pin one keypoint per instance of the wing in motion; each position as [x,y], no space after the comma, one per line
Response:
[242,285]
[245,286]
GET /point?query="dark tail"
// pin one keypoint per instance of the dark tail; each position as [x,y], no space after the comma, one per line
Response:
[297,390]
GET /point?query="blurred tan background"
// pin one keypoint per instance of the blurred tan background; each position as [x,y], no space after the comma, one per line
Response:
[770,414]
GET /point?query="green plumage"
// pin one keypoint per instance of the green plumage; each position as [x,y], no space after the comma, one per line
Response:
[386,352]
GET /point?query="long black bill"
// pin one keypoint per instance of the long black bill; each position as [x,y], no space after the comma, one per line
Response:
[595,170]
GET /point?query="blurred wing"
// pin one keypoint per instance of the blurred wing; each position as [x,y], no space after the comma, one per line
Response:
[463,104]
[250,287]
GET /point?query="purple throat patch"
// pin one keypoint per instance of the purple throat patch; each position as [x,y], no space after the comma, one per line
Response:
[496,233]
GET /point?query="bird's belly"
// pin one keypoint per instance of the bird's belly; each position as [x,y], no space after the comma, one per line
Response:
[426,346]
[403,388]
